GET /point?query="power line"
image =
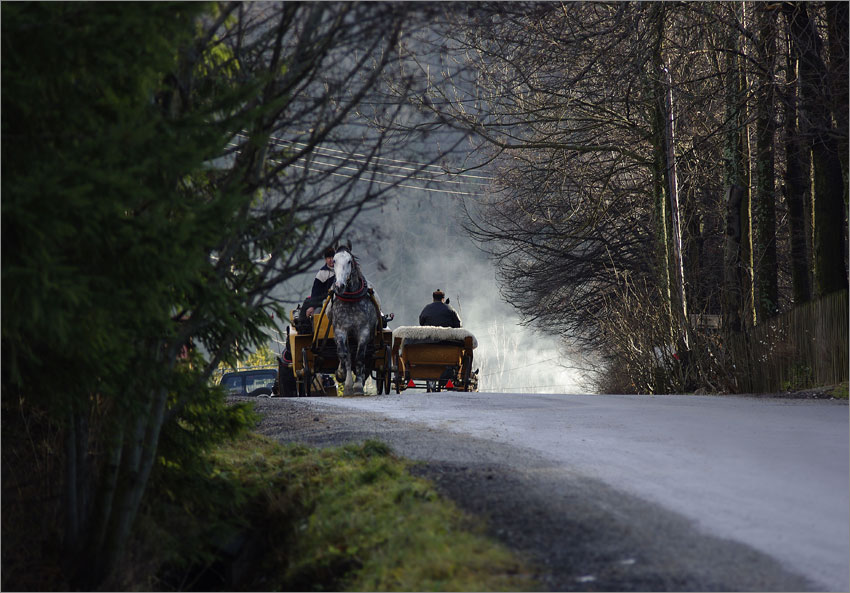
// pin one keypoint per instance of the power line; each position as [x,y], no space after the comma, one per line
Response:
[379,182]
[356,156]
[379,172]
[419,166]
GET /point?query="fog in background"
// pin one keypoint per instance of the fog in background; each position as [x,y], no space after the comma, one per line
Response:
[414,245]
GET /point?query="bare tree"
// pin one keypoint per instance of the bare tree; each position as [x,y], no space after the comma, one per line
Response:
[572,111]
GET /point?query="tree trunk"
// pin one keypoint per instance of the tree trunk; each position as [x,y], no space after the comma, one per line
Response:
[676,225]
[764,202]
[747,251]
[736,179]
[732,265]
[796,188]
[828,195]
[661,215]
[837,32]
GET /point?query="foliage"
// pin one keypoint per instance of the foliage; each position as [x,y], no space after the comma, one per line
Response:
[181,516]
[150,203]
[840,391]
[102,242]
[262,356]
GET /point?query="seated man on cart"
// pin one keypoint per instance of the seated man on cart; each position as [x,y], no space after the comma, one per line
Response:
[438,313]
[322,284]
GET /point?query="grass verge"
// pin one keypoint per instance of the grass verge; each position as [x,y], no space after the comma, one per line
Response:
[348,518]
[840,391]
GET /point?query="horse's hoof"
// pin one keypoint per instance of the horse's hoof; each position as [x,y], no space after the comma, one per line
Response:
[357,389]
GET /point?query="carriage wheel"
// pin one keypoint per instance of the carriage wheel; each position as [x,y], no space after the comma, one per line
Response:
[388,370]
[307,378]
[398,379]
[288,385]
[466,372]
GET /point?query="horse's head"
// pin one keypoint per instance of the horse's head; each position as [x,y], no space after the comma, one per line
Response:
[343,267]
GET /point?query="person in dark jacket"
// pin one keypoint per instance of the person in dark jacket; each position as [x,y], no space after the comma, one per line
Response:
[322,283]
[438,313]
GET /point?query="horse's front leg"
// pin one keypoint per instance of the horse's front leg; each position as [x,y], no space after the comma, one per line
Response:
[360,359]
[343,371]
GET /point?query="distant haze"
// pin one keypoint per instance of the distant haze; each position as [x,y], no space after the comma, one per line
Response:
[415,245]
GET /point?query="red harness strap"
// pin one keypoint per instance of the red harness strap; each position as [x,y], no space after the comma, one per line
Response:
[356,295]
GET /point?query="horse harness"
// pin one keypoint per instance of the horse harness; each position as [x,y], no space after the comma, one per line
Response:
[356,295]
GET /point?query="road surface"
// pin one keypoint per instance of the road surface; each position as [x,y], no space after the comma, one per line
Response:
[670,492]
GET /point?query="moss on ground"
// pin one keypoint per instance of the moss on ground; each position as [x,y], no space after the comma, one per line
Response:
[349,518]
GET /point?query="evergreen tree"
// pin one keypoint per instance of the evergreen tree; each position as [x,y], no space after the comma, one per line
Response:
[154,194]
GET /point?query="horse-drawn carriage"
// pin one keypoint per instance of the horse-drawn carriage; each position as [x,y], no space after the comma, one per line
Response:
[348,338]
[434,358]
[314,355]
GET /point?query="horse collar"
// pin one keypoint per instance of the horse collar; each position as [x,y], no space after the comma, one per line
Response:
[355,295]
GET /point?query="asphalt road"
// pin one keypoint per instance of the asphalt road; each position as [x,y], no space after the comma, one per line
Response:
[624,492]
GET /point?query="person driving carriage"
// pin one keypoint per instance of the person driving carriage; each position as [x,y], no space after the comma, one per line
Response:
[438,313]
[322,283]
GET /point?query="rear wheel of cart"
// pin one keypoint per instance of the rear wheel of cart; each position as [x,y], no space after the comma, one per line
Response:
[466,373]
[398,380]
[388,370]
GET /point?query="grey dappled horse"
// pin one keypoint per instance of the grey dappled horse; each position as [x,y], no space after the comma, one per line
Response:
[355,320]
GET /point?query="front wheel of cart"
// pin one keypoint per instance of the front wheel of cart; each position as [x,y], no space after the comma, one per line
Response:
[288,384]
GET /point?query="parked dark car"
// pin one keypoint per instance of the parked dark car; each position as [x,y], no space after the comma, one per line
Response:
[251,383]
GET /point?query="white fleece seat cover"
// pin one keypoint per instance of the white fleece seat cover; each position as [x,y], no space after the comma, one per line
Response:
[429,334]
